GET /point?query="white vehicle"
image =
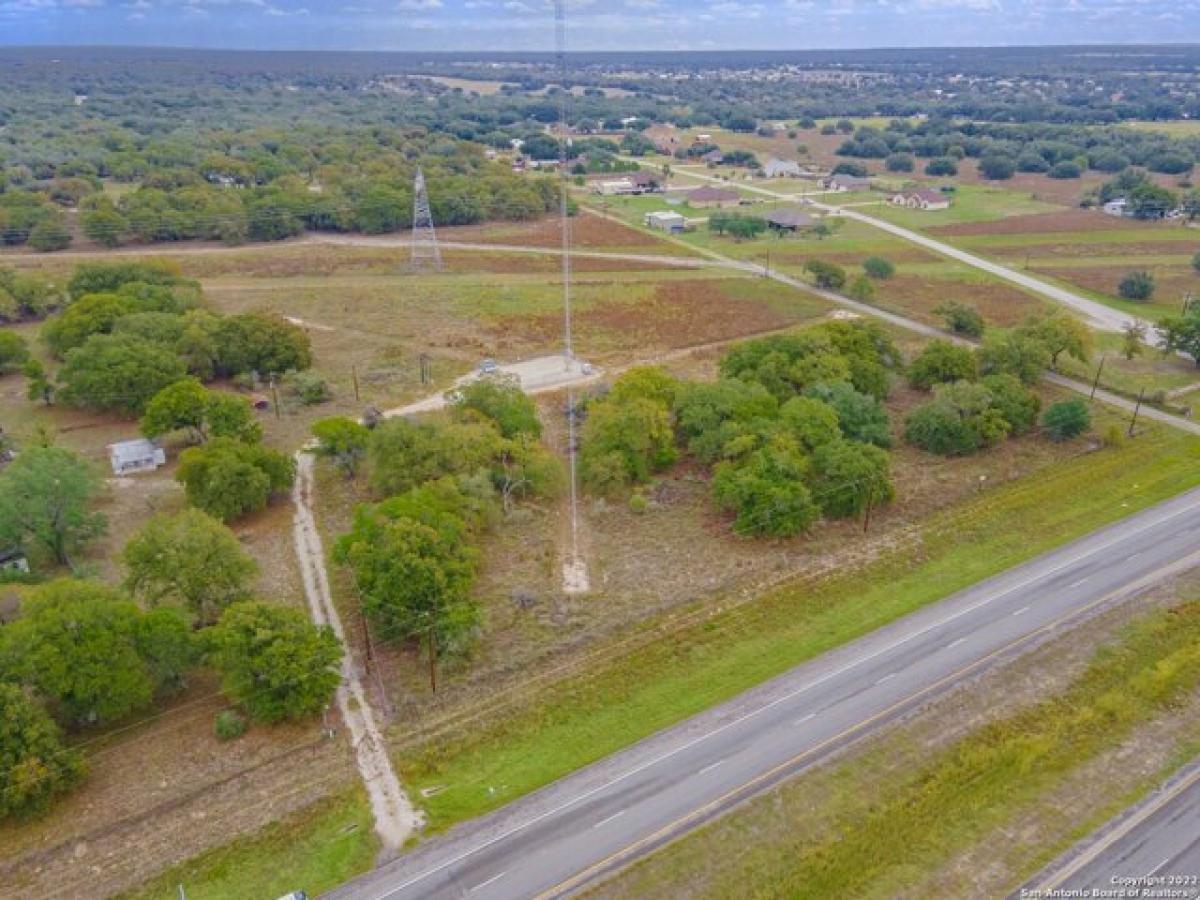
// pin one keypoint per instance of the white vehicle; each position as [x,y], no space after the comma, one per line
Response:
[488,367]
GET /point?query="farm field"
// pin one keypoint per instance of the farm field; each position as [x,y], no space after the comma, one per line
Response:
[1090,252]
[923,280]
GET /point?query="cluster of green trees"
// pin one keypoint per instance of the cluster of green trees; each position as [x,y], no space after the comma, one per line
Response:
[414,554]
[129,330]
[1003,150]
[1143,198]
[82,654]
[982,397]
[794,428]
[25,296]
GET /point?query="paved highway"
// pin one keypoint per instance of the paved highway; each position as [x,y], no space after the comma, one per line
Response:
[601,817]
[1152,847]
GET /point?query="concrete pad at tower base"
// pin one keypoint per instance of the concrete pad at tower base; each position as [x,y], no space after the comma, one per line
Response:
[547,372]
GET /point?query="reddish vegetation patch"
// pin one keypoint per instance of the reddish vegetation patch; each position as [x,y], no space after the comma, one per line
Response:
[517,263]
[676,314]
[999,304]
[1048,223]
[1099,251]
[586,231]
[1171,283]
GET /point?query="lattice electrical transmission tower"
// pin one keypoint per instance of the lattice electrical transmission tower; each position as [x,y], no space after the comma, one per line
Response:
[426,257]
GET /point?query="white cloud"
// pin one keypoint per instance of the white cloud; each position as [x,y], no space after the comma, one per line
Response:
[419,4]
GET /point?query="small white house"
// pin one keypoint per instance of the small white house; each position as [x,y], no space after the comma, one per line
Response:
[616,187]
[138,455]
[13,559]
[782,168]
[1116,207]
[665,220]
[922,199]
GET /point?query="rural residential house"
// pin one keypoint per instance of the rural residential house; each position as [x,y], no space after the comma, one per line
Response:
[842,183]
[647,182]
[713,197]
[713,157]
[140,455]
[788,219]
[613,187]
[922,199]
[665,220]
[782,168]
[1116,207]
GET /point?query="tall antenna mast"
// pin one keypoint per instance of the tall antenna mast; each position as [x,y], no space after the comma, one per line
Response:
[425,253]
[575,578]
[560,44]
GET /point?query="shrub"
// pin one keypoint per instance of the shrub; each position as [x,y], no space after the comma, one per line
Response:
[1017,404]
[961,319]
[307,387]
[499,400]
[638,504]
[1066,419]
[229,479]
[826,275]
[959,420]
[229,724]
[941,362]
[899,162]
[767,493]
[942,166]
[847,476]
[274,662]
[1066,169]
[34,763]
[1196,261]
[878,267]
[997,168]
[13,351]
[1137,286]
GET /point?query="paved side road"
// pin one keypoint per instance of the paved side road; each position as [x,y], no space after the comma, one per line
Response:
[1154,846]
[593,821]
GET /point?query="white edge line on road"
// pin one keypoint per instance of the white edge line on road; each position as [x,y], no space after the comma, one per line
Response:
[482,885]
[609,819]
[504,835]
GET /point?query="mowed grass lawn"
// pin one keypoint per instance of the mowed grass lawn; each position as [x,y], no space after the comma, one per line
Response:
[968,203]
[631,695]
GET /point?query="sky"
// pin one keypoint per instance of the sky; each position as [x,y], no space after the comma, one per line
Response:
[517,25]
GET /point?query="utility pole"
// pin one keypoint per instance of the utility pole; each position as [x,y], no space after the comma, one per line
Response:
[1133,421]
[1096,380]
[275,396]
[354,375]
[867,510]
